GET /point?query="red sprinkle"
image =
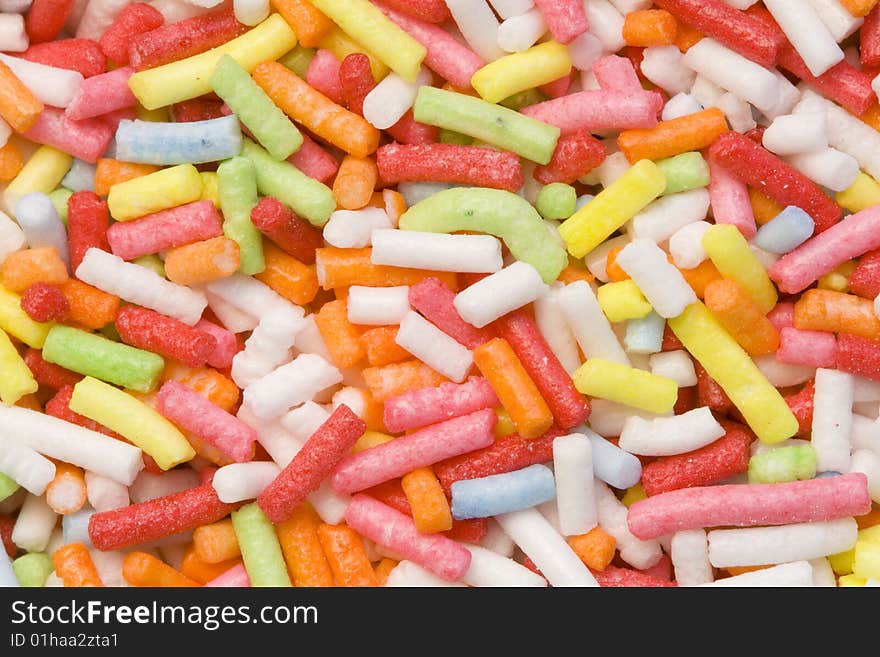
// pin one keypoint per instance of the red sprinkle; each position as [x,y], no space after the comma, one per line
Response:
[709,393]
[432,11]
[157,518]
[82,55]
[46,18]
[166,336]
[7,524]
[576,154]
[737,30]
[44,302]
[136,19]
[858,355]
[569,407]
[865,279]
[196,110]
[869,39]
[49,374]
[780,181]
[433,299]
[801,405]
[504,455]
[613,576]
[87,221]
[452,163]
[719,460]
[312,464]
[183,39]
[293,235]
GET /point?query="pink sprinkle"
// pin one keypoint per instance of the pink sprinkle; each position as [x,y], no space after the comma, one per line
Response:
[192,412]
[391,528]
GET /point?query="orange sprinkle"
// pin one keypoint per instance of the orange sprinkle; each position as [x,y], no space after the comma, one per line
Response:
[355,181]
[74,565]
[595,548]
[202,262]
[90,307]
[216,542]
[742,317]
[346,555]
[650,27]
[687,133]
[346,267]
[302,549]
[515,389]
[341,337]
[836,312]
[289,277]
[381,347]
[110,172]
[396,378]
[142,569]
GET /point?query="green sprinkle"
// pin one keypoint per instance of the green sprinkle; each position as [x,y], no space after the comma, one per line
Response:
[684,172]
[277,133]
[503,214]
[237,182]
[95,355]
[298,60]
[491,123]
[306,196]
[523,99]
[59,201]
[260,548]
[774,466]
[152,262]
[556,201]
[32,569]
[7,486]
[452,137]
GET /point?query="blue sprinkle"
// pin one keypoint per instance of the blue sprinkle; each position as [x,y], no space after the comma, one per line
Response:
[616,467]
[502,493]
[40,223]
[150,142]
[80,177]
[582,201]
[786,231]
[75,527]
[645,335]
[826,475]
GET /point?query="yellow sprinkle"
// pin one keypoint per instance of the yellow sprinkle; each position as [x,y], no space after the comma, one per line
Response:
[210,190]
[18,323]
[16,379]
[760,403]
[613,206]
[371,439]
[158,115]
[166,188]
[626,385]
[191,77]
[519,71]
[862,194]
[342,45]
[504,426]
[367,25]
[633,495]
[851,580]
[119,411]
[842,563]
[622,301]
[837,280]
[41,173]
[731,255]
[866,563]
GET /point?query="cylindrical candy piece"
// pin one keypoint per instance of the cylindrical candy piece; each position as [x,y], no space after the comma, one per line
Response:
[502,493]
[745,505]
[397,532]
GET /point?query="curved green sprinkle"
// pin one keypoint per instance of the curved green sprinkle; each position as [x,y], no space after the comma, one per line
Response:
[493,211]
[260,548]
[237,184]
[309,198]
